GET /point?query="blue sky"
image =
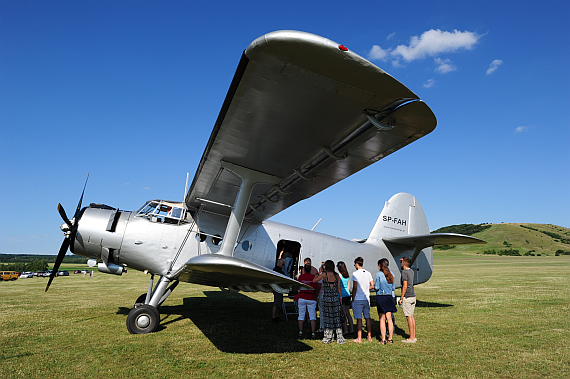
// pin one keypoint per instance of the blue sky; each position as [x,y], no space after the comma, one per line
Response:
[108,87]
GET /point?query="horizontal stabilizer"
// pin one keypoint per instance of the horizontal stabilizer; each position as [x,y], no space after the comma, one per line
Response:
[237,274]
[433,239]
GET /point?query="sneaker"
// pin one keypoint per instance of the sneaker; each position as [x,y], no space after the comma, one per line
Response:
[410,341]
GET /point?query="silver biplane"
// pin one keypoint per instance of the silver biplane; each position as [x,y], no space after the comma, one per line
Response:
[301,114]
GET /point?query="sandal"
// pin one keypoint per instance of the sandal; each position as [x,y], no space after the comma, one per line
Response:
[390,341]
[382,342]
[300,334]
[314,336]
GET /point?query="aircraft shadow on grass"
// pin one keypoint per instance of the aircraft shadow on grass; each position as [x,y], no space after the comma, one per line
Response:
[235,323]
[427,304]
[402,332]
[419,304]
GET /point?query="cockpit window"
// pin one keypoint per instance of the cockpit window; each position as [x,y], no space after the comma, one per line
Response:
[162,211]
[148,208]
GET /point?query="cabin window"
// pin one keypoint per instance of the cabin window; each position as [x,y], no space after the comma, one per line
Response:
[246,245]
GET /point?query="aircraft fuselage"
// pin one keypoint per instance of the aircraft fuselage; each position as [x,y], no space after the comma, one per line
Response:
[123,238]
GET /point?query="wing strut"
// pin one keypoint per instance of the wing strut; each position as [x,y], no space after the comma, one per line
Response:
[419,247]
[249,178]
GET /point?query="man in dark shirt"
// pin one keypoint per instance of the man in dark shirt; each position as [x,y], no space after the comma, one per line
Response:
[408,299]
[277,297]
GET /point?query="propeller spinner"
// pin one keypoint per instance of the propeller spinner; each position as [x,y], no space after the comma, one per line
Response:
[70,232]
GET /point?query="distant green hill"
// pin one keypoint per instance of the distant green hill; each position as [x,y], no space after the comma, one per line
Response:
[544,239]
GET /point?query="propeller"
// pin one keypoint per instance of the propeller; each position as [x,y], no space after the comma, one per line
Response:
[69,236]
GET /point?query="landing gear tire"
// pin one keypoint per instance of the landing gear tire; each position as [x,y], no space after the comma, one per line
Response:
[143,319]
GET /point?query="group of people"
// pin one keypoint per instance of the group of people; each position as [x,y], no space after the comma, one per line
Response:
[335,294]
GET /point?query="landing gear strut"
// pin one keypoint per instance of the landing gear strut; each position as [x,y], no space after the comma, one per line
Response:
[144,317]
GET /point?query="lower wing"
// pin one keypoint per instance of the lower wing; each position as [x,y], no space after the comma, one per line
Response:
[235,274]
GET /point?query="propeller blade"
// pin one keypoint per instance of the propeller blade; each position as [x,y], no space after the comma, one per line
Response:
[63,215]
[60,256]
[81,198]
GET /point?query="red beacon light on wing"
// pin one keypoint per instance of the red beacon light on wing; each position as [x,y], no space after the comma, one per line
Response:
[342,48]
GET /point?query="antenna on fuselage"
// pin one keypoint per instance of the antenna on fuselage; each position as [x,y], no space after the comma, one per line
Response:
[186,187]
[316,224]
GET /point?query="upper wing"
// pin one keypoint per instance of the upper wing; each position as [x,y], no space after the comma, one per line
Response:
[296,110]
[234,273]
[433,239]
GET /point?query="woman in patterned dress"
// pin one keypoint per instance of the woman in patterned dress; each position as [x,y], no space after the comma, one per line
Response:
[333,315]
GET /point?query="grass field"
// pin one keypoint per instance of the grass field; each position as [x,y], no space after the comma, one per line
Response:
[478,317]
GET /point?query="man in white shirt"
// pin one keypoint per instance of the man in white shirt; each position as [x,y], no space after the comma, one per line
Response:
[362,283]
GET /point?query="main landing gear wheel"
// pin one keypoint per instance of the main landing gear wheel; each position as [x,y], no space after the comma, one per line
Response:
[143,319]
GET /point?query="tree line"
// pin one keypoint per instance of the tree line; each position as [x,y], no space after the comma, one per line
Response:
[33,262]
[38,265]
[28,258]
[555,236]
[467,229]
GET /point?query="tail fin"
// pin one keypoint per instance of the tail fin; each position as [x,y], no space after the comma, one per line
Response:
[402,216]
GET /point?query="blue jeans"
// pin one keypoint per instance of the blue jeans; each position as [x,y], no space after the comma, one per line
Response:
[287,267]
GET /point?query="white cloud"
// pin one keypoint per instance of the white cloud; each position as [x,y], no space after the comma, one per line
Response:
[429,83]
[493,66]
[396,63]
[430,43]
[146,188]
[390,36]
[434,42]
[444,66]
[378,54]
[521,129]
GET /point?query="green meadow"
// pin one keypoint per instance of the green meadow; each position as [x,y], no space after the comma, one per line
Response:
[479,316]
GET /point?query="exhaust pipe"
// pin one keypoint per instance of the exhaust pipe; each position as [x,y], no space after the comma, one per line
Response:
[111,268]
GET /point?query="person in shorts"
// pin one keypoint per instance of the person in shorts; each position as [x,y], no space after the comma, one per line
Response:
[408,299]
[362,283]
[307,301]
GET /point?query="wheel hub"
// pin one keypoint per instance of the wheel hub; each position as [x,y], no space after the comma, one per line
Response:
[143,321]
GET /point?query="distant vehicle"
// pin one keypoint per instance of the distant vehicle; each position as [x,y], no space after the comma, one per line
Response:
[47,273]
[63,273]
[77,272]
[8,275]
[27,274]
